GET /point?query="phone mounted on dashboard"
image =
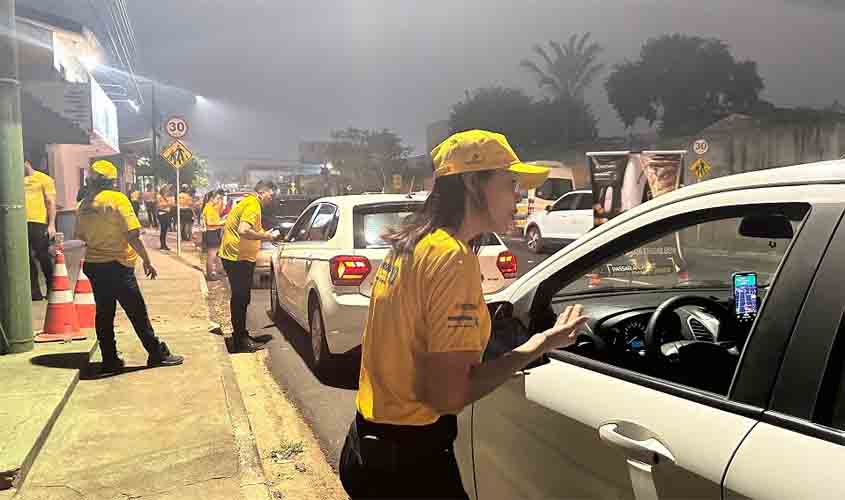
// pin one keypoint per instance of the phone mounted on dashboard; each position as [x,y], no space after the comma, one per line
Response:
[745,297]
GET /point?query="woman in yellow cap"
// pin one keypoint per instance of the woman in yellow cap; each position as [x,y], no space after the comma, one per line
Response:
[110,228]
[428,326]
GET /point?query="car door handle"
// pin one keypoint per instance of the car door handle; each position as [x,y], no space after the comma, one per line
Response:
[638,442]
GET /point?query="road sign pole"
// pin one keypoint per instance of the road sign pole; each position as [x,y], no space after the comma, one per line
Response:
[178,216]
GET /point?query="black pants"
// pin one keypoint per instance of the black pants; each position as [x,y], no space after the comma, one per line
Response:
[186,217]
[113,283]
[164,223]
[152,213]
[240,281]
[136,206]
[39,244]
[397,461]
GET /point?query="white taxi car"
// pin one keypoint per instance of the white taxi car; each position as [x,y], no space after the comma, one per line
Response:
[560,223]
[322,274]
[715,372]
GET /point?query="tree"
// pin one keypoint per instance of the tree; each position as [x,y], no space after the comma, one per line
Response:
[684,82]
[572,69]
[535,128]
[568,72]
[367,156]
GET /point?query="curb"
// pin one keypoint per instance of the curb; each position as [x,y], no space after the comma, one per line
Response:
[254,484]
[18,477]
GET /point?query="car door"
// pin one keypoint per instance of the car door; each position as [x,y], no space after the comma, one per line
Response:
[582,216]
[292,264]
[314,255]
[575,427]
[796,451]
[555,223]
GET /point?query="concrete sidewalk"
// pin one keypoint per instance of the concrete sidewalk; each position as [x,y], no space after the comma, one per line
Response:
[163,433]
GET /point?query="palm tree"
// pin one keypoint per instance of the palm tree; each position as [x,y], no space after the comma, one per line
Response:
[570,69]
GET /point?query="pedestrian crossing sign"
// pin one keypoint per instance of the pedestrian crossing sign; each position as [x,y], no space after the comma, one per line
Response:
[700,168]
[177,154]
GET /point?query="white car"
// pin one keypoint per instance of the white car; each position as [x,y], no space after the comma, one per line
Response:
[714,372]
[321,276]
[561,223]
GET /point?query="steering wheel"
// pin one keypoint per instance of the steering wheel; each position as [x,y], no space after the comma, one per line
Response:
[651,340]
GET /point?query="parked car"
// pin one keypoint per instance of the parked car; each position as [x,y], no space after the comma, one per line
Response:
[561,223]
[323,273]
[676,388]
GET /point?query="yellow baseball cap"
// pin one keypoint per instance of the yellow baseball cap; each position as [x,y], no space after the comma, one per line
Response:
[479,150]
[105,168]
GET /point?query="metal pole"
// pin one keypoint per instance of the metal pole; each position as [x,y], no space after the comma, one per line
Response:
[178,216]
[15,296]
[153,114]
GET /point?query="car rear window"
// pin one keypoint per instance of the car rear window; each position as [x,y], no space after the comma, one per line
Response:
[372,221]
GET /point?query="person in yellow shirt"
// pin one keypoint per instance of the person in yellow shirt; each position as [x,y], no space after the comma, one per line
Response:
[242,237]
[428,325]
[111,231]
[40,192]
[165,219]
[211,224]
[135,199]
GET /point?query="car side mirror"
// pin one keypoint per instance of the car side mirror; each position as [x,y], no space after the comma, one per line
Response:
[770,227]
[549,208]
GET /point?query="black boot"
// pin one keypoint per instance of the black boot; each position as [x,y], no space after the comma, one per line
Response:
[111,366]
[244,343]
[164,357]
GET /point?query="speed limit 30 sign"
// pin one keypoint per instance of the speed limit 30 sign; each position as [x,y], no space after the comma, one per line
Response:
[176,127]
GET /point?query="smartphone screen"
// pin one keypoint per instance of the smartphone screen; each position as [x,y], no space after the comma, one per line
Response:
[745,296]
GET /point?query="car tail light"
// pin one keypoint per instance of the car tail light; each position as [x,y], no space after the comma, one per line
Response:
[349,270]
[507,264]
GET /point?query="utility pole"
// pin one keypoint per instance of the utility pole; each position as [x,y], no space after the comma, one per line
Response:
[15,293]
[153,126]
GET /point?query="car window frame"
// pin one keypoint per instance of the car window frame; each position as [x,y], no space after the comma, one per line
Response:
[741,399]
[331,225]
[816,354]
[359,211]
[567,198]
[306,220]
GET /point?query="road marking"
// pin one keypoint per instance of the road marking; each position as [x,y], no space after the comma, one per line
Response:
[641,283]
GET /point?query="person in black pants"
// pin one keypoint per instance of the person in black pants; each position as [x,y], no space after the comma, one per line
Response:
[242,237]
[40,191]
[110,265]
[165,204]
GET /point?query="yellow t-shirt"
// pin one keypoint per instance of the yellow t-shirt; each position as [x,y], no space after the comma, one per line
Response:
[103,224]
[429,302]
[233,247]
[211,216]
[38,186]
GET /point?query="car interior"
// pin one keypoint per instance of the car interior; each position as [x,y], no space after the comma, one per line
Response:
[669,307]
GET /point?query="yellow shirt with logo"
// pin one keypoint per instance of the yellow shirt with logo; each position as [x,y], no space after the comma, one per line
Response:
[425,303]
[103,224]
[233,247]
[38,186]
[211,216]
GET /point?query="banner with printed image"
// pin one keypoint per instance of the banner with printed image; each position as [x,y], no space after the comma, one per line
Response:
[623,180]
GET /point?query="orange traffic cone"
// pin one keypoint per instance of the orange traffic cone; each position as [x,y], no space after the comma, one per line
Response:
[83,300]
[61,323]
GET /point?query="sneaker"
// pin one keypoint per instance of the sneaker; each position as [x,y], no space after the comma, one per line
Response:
[246,344]
[260,340]
[164,358]
[112,367]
